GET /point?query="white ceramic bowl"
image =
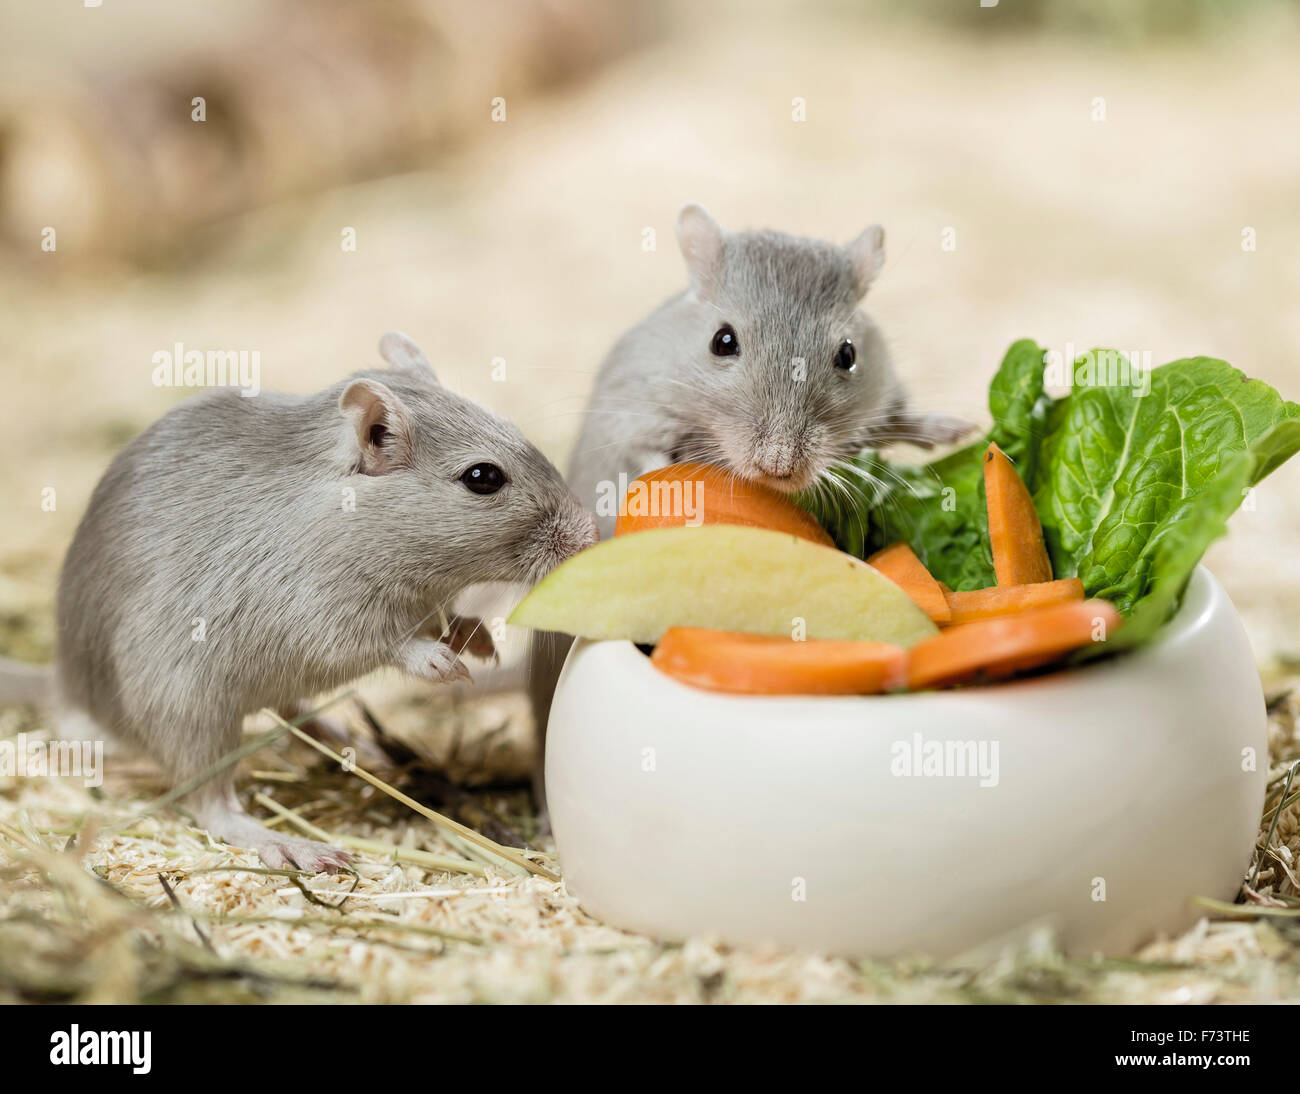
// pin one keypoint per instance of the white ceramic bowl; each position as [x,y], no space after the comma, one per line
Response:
[677,811]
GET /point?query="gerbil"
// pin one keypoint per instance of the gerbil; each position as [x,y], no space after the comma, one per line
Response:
[244,553]
[765,365]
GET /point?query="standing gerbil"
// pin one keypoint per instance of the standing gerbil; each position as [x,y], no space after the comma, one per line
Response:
[244,553]
[765,365]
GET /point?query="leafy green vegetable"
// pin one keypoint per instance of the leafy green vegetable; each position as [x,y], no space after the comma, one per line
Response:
[939,507]
[1175,551]
[935,508]
[1134,475]
[1019,406]
[1126,470]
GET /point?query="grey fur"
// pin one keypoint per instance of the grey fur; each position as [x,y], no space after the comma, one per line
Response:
[662,397]
[232,511]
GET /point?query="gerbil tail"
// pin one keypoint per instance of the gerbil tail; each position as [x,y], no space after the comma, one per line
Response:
[21,682]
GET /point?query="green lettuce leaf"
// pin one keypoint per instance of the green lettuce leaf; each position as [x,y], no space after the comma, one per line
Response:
[1019,407]
[1129,466]
[1134,475]
[939,507]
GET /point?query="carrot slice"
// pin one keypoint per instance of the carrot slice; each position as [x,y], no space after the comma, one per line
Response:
[899,563]
[751,664]
[1015,534]
[699,493]
[975,604]
[994,648]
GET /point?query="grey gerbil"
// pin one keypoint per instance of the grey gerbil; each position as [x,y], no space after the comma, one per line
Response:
[804,378]
[244,553]
[765,364]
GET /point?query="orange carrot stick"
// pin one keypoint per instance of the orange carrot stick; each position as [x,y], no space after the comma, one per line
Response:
[994,648]
[699,493]
[1015,534]
[751,664]
[899,563]
[976,604]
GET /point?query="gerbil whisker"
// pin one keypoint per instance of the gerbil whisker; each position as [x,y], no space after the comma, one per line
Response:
[850,468]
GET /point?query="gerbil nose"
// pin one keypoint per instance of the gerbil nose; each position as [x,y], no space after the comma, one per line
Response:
[775,469]
[569,531]
[776,458]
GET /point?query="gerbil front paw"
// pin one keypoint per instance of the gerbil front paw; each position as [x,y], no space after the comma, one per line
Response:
[945,428]
[924,430]
[435,661]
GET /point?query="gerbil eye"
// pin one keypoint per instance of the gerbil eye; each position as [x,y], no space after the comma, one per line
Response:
[846,356]
[724,342]
[484,478]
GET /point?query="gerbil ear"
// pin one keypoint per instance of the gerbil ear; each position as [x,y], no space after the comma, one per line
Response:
[382,424]
[867,254]
[401,353]
[700,239]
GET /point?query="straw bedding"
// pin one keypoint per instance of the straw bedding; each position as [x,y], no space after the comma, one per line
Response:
[158,912]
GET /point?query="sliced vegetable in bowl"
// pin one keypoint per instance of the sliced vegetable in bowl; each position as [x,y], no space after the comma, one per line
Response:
[694,494]
[800,618]
[899,563]
[994,649]
[751,664]
[972,605]
[1015,532]
[724,577]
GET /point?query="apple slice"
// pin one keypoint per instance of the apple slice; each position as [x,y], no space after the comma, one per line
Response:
[723,577]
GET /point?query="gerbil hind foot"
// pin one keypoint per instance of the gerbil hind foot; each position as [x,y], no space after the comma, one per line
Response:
[278,850]
[220,813]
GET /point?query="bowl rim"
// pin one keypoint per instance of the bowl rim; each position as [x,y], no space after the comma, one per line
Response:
[1199,599]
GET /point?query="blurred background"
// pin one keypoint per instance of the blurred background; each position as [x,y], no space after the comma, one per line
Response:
[500,179]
